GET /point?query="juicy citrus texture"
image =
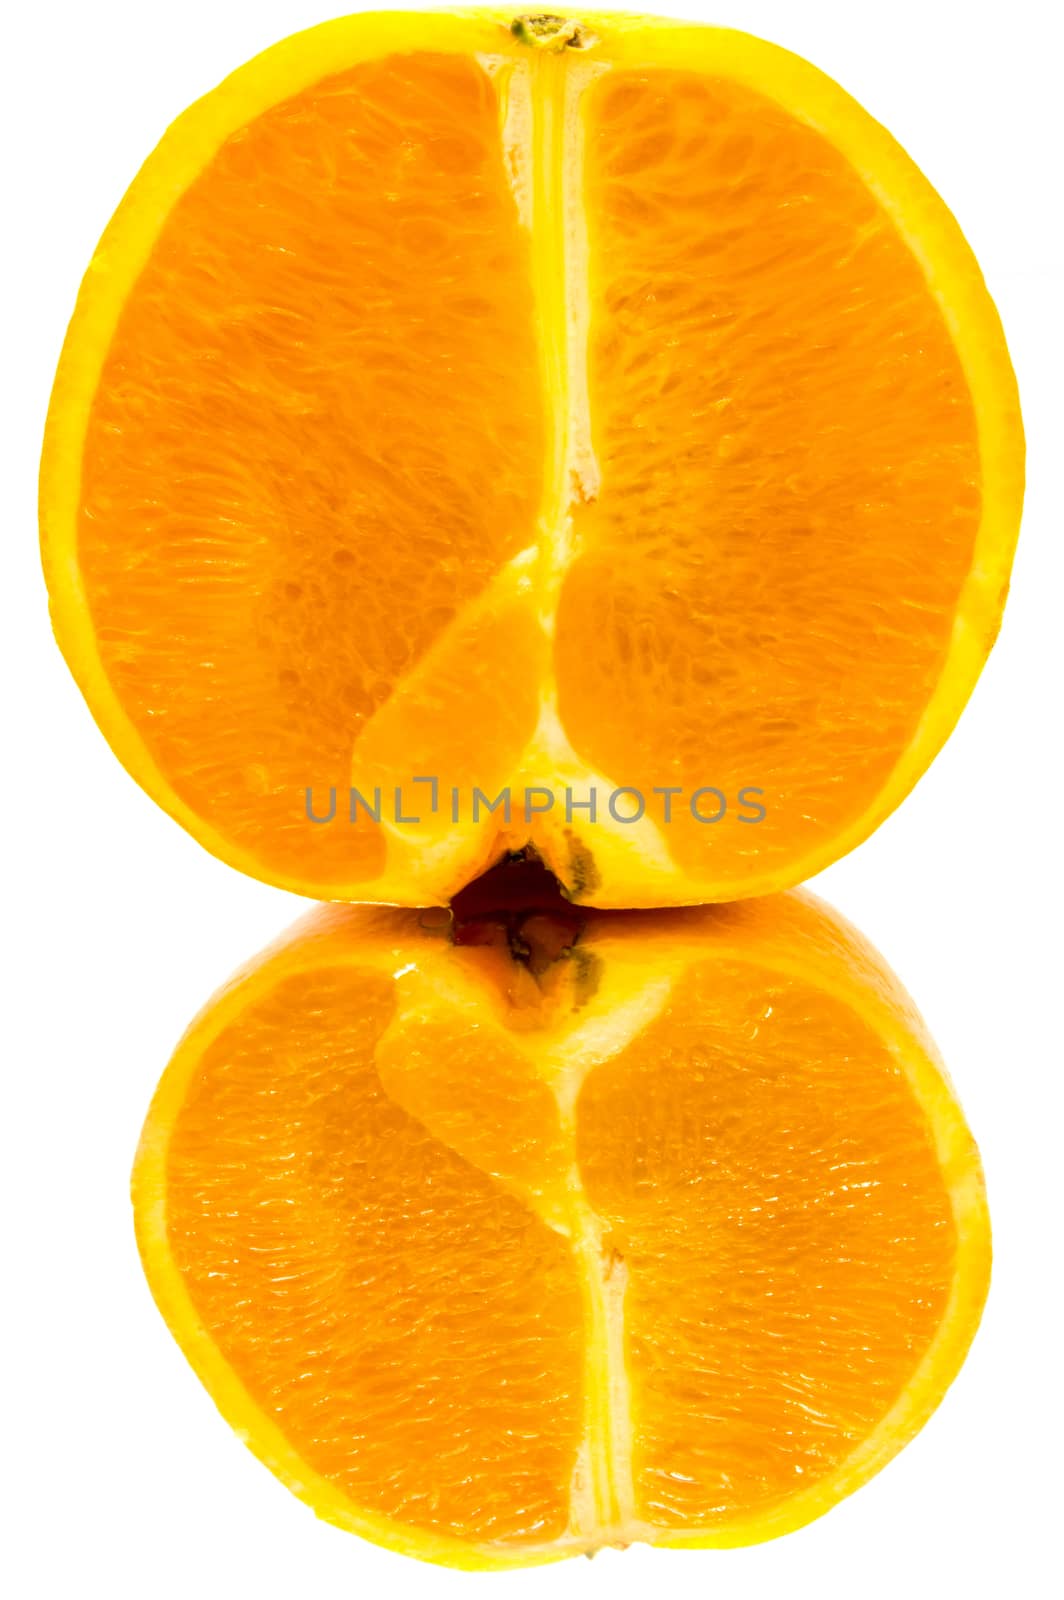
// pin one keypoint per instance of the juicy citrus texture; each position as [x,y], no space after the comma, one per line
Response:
[371,1288]
[741,1168]
[560,406]
[317,431]
[505,1237]
[754,577]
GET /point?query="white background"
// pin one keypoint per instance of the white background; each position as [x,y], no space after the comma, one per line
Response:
[123,1480]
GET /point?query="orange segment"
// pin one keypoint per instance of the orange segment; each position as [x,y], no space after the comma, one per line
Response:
[784,432]
[315,439]
[747,1174]
[540,404]
[495,1263]
[505,1121]
[443,1390]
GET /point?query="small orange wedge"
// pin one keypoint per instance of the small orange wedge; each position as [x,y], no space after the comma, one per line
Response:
[575,405]
[505,1234]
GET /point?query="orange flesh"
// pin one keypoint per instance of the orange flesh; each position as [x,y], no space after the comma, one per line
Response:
[790,480]
[317,435]
[414,1331]
[372,1212]
[766,1175]
[323,430]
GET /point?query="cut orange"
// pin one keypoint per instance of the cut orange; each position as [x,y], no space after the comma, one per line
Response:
[530,404]
[505,1235]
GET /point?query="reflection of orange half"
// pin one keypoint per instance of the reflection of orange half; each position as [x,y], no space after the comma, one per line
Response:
[504,1239]
[609,404]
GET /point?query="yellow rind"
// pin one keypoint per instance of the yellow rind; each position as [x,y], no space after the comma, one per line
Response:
[622,40]
[794,935]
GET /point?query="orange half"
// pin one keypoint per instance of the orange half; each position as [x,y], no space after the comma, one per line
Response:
[505,1236]
[530,405]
